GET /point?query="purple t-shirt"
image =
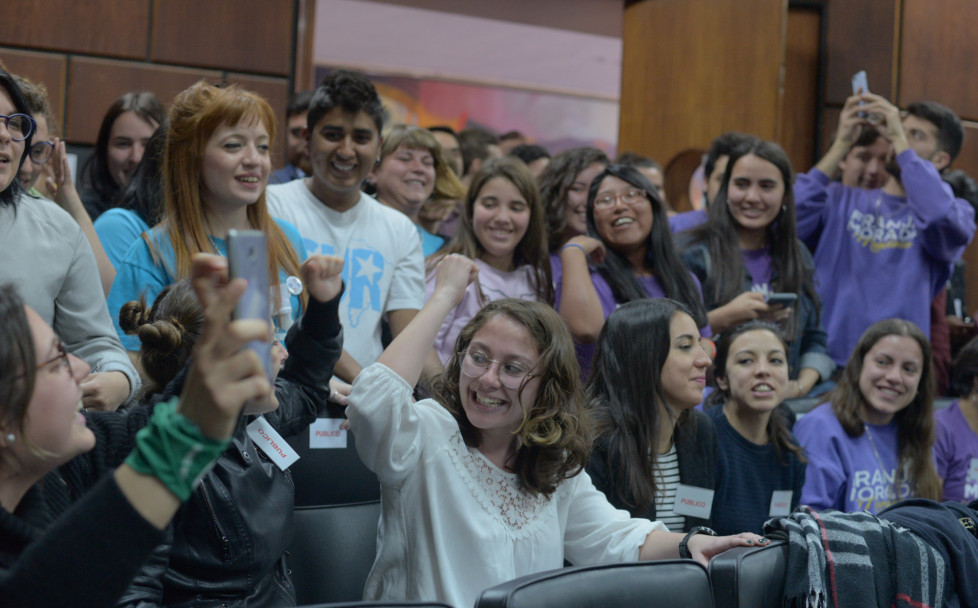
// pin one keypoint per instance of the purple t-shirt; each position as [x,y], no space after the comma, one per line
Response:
[687,220]
[956,454]
[585,352]
[848,473]
[758,265]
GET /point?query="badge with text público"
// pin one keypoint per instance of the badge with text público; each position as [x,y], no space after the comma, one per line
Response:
[271,443]
[692,501]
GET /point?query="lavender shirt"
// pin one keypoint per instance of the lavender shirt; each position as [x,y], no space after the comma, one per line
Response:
[758,265]
[956,454]
[585,352]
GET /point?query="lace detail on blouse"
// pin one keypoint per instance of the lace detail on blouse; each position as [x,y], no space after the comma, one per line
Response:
[498,492]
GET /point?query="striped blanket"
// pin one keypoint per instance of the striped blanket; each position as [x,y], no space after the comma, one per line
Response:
[836,560]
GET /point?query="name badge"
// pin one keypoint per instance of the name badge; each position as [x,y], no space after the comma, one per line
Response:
[973,470]
[271,443]
[325,433]
[780,503]
[693,502]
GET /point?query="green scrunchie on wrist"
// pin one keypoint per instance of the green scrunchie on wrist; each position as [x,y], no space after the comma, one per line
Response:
[174,450]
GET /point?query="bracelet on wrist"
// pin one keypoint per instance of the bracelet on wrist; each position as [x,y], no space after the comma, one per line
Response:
[575,245]
[174,450]
[683,544]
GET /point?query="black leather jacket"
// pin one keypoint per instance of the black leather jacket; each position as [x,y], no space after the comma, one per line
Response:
[226,546]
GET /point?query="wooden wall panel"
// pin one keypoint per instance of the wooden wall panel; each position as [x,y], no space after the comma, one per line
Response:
[276,92]
[860,37]
[96,83]
[246,35]
[939,47]
[696,68]
[967,161]
[797,131]
[99,27]
[49,69]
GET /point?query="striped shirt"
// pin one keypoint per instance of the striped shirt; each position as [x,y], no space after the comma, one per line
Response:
[666,482]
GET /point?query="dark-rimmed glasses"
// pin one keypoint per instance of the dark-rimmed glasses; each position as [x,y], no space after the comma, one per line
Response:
[20,126]
[41,152]
[511,374]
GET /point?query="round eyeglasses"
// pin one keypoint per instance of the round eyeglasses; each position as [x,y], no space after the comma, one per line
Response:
[20,126]
[511,374]
[41,152]
[607,200]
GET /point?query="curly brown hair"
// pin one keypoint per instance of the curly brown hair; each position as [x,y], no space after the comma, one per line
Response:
[555,435]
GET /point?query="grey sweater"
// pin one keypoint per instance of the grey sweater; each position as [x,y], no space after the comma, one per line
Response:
[44,253]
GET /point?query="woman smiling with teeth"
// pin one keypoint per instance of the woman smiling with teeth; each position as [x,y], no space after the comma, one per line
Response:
[411,171]
[503,229]
[871,445]
[759,467]
[216,165]
[630,244]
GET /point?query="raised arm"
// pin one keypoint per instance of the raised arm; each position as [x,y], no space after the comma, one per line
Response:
[66,196]
[403,356]
[89,556]
[580,306]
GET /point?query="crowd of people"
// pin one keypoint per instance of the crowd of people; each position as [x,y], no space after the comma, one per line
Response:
[541,360]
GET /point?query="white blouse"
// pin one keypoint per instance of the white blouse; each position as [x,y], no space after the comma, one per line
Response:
[452,523]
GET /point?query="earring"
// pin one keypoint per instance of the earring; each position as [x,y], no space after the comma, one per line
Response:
[11,437]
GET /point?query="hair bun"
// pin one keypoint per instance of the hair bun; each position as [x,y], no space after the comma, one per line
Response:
[163,337]
[133,315]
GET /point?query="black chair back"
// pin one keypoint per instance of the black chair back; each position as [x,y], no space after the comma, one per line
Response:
[330,476]
[749,577]
[332,552]
[659,584]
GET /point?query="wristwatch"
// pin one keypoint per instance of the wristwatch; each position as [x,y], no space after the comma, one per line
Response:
[683,549]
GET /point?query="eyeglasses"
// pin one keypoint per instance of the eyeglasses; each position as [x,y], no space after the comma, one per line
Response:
[41,152]
[62,357]
[511,374]
[20,126]
[606,200]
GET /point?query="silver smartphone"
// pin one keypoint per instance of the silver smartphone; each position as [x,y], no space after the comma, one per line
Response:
[248,259]
[860,84]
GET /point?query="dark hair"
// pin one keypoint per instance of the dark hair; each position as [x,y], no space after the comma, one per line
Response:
[915,423]
[950,134]
[866,138]
[965,369]
[36,96]
[298,103]
[723,146]
[555,181]
[96,169]
[444,129]
[508,135]
[778,432]
[532,248]
[660,257]
[474,143]
[350,91]
[167,332]
[18,367]
[725,280]
[556,432]
[529,152]
[144,192]
[962,186]
[625,396]
[8,196]
[638,161]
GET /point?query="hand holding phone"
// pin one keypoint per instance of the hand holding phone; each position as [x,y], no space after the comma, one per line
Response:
[782,299]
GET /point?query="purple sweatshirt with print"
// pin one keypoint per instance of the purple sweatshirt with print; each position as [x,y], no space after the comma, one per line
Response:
[878,256]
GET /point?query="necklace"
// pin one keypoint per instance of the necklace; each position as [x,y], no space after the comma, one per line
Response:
[879,460]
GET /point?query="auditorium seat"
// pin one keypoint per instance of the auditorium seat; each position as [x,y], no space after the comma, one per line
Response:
[749,577]
[332,551]
[665,584]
